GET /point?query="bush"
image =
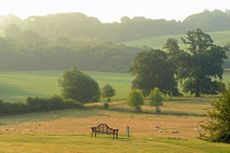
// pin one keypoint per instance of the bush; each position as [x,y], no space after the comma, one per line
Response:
[217,126]
[70,103]
[12,108]
[107,92]
[38,105]
[156,99]
[136,99]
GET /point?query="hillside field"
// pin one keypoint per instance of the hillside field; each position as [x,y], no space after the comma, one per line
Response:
[18,85]
[220,37]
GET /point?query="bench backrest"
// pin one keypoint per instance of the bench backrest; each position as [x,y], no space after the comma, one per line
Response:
[104,128]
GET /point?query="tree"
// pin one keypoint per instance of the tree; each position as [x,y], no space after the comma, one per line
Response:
[201,70]
[107,92]
[79,86]
[136,99]
[172,47]
[156,99]
[217,126]
[12,31]
[175,54]
[153,69]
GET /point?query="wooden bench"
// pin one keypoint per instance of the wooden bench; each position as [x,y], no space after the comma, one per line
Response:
[104,129]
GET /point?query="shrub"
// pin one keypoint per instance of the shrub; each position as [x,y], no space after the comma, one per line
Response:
[136,99]
[217,126]
[38,105]
[12,108]
[70,103]
[156,99]
[107,92]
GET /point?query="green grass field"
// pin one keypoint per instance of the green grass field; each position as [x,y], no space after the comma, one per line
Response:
[19,85]
[85,144]
[68,131]
[220,38]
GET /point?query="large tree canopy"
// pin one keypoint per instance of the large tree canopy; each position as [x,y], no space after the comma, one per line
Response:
[79,86]
[152,69]
[201,70]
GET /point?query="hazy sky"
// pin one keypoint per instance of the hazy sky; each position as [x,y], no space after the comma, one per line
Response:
[112,10]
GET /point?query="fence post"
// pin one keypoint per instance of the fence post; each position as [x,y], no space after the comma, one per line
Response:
[127,131]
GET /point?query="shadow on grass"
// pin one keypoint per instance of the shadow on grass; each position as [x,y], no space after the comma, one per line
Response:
[50,115]
[174,113]
[192,100]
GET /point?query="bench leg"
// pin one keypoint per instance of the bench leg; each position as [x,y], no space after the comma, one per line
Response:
[95,134]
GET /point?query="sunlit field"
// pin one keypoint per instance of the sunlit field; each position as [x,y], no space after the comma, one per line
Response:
[175,130]
[19,85]
[220,38]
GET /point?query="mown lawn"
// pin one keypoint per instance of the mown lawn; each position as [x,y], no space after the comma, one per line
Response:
[102,144]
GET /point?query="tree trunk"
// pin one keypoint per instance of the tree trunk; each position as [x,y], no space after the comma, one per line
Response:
[158,110]
[138,109]
[197,92]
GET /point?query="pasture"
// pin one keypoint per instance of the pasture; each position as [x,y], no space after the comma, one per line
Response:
[17,85]
[174,131]
[220,38]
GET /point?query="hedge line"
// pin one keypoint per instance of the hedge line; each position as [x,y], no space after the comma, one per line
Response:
[38,105]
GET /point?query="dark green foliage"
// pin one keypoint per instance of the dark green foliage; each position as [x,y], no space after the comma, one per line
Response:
[79,86]
[12,108]
[172,47]
[201,66]
[136,99]
[38,105]
[156,99]
[217,126]
[44,104]
[107,92]
[153,69]
[29,49]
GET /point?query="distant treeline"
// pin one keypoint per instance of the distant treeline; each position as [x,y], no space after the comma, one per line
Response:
[78,25]
[61,41]
[33,52]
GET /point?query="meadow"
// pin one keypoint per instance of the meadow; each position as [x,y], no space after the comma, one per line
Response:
[174,131]
[17,85]
[220,38]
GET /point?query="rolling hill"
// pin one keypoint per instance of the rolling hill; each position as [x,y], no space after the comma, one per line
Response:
[220,37]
